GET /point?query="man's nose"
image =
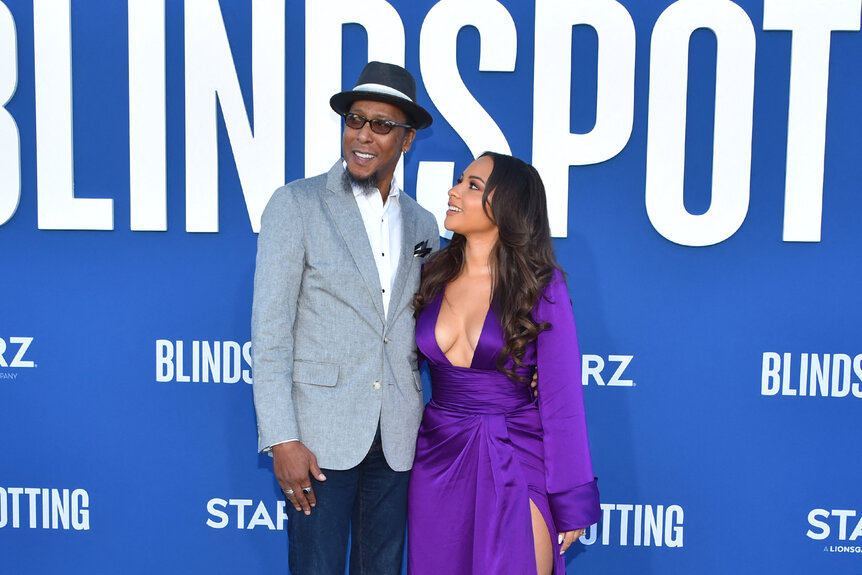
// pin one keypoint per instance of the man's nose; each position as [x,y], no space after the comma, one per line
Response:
[365,132]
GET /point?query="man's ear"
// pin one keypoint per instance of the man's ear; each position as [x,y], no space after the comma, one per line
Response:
[408,140]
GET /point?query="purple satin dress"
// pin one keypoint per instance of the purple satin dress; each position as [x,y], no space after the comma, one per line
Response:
[486,448]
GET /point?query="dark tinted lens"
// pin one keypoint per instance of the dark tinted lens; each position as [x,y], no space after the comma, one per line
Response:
[354,121]
[380,126]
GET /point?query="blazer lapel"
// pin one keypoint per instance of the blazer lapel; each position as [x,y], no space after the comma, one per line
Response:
[345,213]
[408,235]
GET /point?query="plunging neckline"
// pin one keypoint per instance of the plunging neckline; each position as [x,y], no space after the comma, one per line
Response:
[440,297]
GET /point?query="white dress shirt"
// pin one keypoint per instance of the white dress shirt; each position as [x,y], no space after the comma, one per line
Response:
[383,226]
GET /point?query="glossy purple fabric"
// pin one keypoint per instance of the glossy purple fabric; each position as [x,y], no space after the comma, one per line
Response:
[486,448]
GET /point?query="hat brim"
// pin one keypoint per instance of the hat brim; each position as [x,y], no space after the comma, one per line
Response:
[418,116]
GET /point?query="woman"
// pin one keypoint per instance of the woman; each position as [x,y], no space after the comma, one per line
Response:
[502,482]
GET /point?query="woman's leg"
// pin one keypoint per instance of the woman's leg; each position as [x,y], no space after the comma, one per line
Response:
[542,542]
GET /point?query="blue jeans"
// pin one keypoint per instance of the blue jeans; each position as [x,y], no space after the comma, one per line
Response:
[367,502]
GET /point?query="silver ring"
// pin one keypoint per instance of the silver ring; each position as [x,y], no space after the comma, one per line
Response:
[288,492]
[306,490]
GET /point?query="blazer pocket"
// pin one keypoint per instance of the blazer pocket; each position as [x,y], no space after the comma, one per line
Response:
[315,373]
[417,380]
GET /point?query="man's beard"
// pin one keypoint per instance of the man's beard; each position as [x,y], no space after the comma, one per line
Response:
[367,185]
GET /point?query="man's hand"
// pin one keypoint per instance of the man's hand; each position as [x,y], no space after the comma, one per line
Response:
[292,463]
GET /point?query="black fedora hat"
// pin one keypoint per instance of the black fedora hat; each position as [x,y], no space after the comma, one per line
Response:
[388,83]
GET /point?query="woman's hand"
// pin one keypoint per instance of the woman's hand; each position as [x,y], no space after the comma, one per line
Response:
[566,538]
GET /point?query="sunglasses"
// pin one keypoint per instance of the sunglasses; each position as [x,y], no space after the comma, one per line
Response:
[356,122]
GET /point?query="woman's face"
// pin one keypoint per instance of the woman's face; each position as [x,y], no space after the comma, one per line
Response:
[465,215]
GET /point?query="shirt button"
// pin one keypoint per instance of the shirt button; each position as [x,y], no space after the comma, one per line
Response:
[385,340]
[376,385]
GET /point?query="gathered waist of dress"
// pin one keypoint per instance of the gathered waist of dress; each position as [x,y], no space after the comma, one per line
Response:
[477,390]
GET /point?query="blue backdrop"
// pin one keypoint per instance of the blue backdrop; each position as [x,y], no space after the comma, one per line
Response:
[707,212]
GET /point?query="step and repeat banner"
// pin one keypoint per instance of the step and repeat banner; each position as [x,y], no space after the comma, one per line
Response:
[702,161]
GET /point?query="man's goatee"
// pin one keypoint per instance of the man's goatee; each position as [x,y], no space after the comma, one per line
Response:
[367,185]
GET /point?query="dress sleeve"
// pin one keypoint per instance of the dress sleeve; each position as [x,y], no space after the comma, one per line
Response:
[572,491]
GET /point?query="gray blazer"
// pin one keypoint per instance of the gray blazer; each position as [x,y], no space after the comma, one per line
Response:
[327,363]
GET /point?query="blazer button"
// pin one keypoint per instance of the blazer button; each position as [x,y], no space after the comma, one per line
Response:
[376,385]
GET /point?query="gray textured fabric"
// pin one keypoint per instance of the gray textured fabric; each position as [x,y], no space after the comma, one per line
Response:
[320,340]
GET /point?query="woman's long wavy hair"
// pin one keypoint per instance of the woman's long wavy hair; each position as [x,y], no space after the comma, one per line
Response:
[522,261]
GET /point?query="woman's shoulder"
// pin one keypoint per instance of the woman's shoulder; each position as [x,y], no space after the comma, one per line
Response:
[557,276]
[554,291]
[556,282]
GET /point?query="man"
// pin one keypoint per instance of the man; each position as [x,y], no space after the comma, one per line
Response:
[336,387]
